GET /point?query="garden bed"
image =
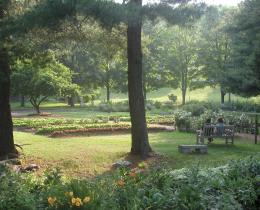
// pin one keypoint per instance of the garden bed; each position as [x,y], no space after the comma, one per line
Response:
[69,127]
[232,186]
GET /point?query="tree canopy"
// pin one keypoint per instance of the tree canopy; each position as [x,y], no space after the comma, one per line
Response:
[243,76]
[40,77]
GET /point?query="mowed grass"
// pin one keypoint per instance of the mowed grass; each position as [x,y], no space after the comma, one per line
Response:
[63,110]
[87,156]
[203,94]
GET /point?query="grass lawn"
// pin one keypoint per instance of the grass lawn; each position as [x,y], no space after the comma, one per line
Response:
[86,156]
[203,94]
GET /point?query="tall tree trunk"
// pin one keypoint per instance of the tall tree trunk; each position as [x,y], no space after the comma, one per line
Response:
[145,94]
[7,147]
[140,143]
[229,97]
[183,87]
[108,92]
[222,93]
[108,82]
[183,91]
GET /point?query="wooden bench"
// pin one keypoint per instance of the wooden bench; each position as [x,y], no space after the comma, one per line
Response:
[215,131]
[189,149]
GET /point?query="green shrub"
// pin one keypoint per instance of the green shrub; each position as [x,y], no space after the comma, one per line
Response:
[194,109]
[183,120]
[172,98]
[157,104]
[233,186]
[14,192]
[114,107]
[243,106]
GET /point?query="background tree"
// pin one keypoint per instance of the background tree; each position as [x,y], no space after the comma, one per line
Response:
[111,49]
[214,48]
[243,75]
[179,54]
[41,77]
[154,76]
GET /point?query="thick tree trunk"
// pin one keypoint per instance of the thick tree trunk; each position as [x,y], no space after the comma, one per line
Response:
[35,106]
[71,101]
[7,148]
[37,109]
[140,143]
[145,94]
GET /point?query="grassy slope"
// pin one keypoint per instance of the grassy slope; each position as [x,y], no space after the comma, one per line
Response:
[205,94]
[88,155]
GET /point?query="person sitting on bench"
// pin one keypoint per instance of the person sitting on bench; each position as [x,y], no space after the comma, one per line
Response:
[220,126]
[210,131]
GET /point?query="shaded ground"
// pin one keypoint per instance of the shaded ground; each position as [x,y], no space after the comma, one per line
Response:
[250,137]
[88,156]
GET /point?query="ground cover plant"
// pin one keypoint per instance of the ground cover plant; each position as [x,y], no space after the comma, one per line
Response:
[231,186]
[55,126]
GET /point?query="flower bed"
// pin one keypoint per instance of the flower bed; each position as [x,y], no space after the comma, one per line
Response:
[232,186]
[61,127]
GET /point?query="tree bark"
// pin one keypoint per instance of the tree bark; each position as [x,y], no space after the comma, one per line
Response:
[222,93]
[22,101]
[145,95]
[108,93]
[71,101]
[7,148]
[183,87]
[108,83]
[140,143]
[183,96]
[37,108]
[144,88]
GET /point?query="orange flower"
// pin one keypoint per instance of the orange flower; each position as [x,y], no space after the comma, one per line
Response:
[52,200]
[132,174]
[86,199]
[120,183]
[76,201]
[73,201]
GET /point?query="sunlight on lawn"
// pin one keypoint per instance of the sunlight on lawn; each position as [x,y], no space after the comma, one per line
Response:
[96,154]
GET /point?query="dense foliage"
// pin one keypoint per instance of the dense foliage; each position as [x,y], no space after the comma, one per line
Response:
[232,186]
[244,77]
[41,77]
